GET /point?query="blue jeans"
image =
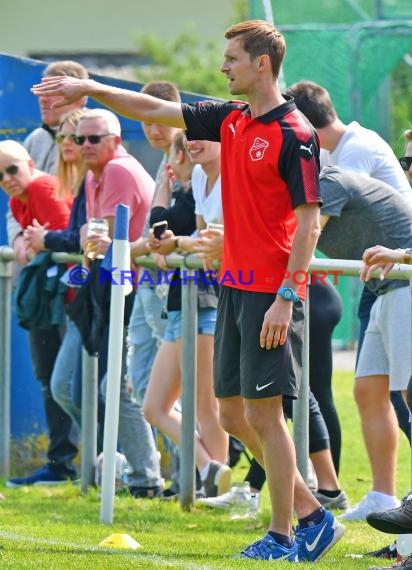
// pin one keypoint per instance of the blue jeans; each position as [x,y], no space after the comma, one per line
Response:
[135,435]
[145,332]
[66,368]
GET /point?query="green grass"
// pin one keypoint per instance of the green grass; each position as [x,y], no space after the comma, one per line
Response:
[58,528]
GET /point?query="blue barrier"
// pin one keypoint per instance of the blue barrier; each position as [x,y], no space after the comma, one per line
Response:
[19,115]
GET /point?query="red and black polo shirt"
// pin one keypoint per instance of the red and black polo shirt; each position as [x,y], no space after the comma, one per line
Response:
[270,165]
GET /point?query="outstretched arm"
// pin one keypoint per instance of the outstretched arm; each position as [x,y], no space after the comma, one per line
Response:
[130,104]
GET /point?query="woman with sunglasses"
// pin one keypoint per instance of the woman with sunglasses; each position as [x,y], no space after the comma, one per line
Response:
[70,173]
[35,195]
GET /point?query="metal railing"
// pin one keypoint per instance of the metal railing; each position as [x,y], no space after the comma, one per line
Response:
[318,268]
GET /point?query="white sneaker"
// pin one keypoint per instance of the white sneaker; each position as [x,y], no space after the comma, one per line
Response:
[227,500]
[370,503]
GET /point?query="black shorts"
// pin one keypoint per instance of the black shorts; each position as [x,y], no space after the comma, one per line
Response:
[241,366]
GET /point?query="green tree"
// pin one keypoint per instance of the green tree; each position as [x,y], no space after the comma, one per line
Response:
[401,104]
[188,60]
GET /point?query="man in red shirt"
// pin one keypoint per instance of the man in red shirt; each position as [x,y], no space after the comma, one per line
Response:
[271,200]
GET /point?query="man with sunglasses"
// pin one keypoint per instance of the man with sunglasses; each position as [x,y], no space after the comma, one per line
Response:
[395,521]
[116,177]
[355,148]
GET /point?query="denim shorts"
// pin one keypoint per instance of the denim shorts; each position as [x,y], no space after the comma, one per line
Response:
[206,321]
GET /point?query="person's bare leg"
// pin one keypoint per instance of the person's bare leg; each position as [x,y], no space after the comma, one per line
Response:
[232,416]
[212,435]
[162,391]
[232,419]
[380,430]
[325,470]
[278,451]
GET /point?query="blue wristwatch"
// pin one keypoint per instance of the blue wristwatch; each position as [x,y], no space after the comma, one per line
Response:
[288,294]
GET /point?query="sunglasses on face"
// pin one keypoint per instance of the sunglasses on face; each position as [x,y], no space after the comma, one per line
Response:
[405,162]
[60,138]
[11,170]
[92,139]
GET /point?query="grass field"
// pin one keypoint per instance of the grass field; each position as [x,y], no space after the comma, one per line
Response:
[58,528]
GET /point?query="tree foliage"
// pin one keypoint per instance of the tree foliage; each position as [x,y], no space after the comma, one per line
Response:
[401,104]
[188,60]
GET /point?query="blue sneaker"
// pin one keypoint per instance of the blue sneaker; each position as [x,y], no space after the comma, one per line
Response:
[315,541]
[268,549]
[46,475]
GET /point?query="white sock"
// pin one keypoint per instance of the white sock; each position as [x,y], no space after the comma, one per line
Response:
[384,498]
[204,471]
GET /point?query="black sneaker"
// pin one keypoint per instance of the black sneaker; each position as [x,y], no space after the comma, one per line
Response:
[386,553]
[145,492]
[170,494]
[394,521]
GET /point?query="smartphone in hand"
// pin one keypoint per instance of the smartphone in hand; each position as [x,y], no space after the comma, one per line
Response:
[159,228]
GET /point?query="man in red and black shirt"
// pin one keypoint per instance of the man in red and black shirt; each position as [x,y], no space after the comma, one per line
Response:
[271,202]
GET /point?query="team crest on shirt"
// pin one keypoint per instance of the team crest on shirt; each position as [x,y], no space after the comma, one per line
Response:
[257,150]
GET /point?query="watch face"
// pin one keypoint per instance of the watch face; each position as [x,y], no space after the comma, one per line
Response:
[288,294]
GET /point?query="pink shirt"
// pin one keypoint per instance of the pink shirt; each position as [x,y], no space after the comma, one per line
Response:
[123,181]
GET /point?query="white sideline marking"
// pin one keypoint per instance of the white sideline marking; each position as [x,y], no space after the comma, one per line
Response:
[113,551]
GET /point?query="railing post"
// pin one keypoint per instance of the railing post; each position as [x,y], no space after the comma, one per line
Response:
[89,419]
[120,260]
[6,272]
[189,363]
[410,411]
[301,405]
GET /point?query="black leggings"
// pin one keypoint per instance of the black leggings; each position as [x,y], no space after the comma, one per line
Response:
[325,309]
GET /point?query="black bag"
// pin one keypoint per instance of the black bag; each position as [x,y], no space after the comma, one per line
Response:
[40,294]
[90,309]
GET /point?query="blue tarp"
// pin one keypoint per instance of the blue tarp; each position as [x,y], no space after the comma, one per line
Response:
[19,115]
